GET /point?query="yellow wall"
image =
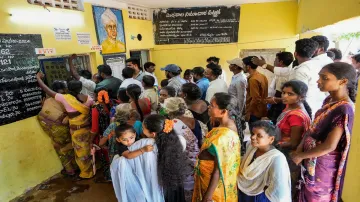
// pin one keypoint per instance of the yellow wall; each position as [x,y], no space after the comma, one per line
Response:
[267,25]
[314,14]
[26,154]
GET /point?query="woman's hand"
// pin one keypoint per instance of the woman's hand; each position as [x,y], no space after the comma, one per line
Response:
[40,75]
[207,199]
[296,157]
[148,148]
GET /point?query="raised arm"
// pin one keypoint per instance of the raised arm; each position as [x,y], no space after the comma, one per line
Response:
[48,91]
[73,71]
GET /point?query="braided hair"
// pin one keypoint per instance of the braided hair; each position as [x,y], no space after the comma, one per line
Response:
[171,156]
[134,92]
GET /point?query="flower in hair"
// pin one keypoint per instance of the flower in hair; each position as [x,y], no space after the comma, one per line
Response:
[169,124]
[103,94]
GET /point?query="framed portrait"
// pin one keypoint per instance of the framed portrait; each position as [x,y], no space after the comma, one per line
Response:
[109,26]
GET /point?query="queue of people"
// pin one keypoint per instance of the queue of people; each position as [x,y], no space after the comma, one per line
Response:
[184,140]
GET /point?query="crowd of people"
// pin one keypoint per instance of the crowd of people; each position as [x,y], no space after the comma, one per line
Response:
[182,139]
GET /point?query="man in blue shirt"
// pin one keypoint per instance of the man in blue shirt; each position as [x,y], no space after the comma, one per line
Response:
[201,80]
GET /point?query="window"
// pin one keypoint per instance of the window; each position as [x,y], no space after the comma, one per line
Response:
[57,67]
[65,4]
[140,13]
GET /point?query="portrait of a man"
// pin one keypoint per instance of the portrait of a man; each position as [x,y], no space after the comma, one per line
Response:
[110,29]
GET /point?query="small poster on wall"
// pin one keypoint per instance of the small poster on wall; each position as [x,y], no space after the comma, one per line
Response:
[62,34]
[117,64]
[109,26]
[83,38]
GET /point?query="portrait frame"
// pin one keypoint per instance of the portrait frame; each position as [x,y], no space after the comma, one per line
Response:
[101,32]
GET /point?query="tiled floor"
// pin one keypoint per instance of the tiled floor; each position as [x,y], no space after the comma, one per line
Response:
[60,189]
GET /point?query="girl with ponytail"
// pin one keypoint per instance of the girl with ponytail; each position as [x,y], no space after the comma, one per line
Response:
[293,122]
[172,159]
[143,106]
[325,148]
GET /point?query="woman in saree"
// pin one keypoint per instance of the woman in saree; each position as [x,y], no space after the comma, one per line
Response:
[293,122]
[54,121]
[324,150]
[77,107]
[155,176]
[218,163]
[175,107]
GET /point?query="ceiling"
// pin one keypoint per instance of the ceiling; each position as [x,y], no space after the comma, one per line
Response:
[182,3]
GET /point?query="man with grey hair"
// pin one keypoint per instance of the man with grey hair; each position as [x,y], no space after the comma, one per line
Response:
[111,44]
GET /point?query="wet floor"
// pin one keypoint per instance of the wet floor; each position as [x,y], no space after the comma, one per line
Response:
[61,189]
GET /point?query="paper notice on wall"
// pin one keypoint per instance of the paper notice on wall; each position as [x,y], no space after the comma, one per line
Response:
[40,51]
[83,38]
[117,64]
[96,48]
[62,34]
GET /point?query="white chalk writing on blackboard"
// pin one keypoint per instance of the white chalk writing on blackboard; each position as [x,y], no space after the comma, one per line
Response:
[20,96]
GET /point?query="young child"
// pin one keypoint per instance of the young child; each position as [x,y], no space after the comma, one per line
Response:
[265,174]
[125,137]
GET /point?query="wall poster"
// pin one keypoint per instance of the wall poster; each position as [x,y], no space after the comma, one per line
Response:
[117,64]
[109,26]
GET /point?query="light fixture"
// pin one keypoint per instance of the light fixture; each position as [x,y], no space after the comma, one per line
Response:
[43,17]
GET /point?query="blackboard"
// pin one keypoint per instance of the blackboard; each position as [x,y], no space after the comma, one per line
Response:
[20,95]
[201,25]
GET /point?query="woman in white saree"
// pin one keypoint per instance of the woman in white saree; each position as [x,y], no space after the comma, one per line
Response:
[136,180]
[264,172]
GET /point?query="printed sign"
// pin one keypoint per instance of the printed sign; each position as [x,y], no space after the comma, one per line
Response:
[200,25]
[40,51]
[96,48]
[62,34]
[83,38]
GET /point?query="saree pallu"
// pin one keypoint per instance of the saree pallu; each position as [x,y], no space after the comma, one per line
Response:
[323,177]
[225,145]
[81,137]
[60,134]
[283,122]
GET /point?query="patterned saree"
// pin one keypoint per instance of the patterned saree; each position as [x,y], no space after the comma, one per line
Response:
[225,145]
[80,137]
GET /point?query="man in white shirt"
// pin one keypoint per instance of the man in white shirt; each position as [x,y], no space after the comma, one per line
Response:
[128,74]
[237,89]
[216,61]
[172,72]
[135,64]
[217,85]
[307,71]
[149,68]
[320,55]
[88,85]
